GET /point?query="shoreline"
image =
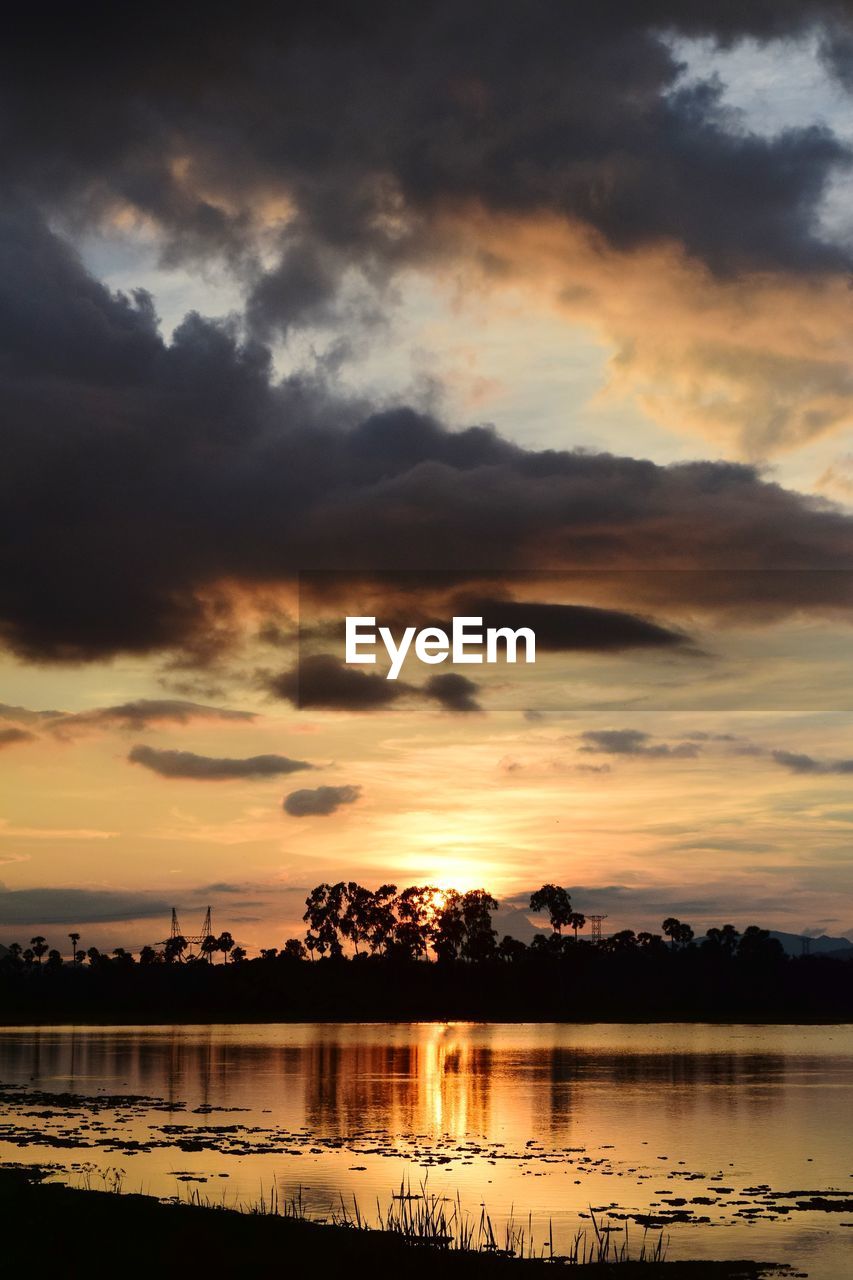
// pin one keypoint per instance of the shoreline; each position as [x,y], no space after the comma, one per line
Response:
[165,1233]
[359,1019]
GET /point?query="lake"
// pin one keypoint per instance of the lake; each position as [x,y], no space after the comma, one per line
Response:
[735,1138]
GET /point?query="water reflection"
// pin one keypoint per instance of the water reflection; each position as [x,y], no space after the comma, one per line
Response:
[546,1118]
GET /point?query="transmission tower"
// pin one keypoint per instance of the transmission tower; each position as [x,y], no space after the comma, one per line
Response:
[191,939]
[595,922]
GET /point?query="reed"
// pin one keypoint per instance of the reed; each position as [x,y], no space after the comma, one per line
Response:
[424,1219]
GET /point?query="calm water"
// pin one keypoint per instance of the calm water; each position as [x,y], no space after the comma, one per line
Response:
[737,1125]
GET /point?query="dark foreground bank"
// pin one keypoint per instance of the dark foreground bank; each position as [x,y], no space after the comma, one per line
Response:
[581,983]
[98,1233]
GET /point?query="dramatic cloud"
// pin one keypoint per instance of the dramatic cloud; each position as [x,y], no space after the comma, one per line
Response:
[440,146]
[799,763]
[238,480]
[632,742]
[213,129]
[150,487]
[319,802]
[186,764]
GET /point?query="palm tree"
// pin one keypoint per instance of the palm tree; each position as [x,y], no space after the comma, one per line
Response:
[175,948]
[680,935]
[75,938]
[225,943]
[238,954]
[39,946]
[208,946]
[577,920]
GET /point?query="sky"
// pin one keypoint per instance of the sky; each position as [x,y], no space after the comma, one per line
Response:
[539,314]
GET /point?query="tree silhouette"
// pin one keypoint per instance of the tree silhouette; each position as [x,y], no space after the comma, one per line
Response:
[207,946]
[75,938]
[556,902]
[381,918]
[175,948]
[39,947]
[324,908]
[448,931]
[225,943]
[511,949]
[680,935]
[577,921]
[415,908]
[294,949]
[724,940]
[477,906]
[757,945]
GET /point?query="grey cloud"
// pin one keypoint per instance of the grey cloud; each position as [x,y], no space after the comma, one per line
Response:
[319,801]
[10,737]
[143,712]
[186,764]
[23,715]
[322,680]
[453,691]
[632,742]
[801,763]
[20,907]
[567,628]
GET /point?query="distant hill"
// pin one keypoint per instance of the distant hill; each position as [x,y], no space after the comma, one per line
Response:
[514,921]
[793,944]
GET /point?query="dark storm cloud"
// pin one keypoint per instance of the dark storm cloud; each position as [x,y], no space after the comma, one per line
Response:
[321,680]
[454,691]
[9,737]
[139,476]
[632,742]
[186,764]
[537,107]
[800,763]
[20,907]
[319,802]
[568,628]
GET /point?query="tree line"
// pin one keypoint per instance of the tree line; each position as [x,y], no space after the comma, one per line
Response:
[421,922]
